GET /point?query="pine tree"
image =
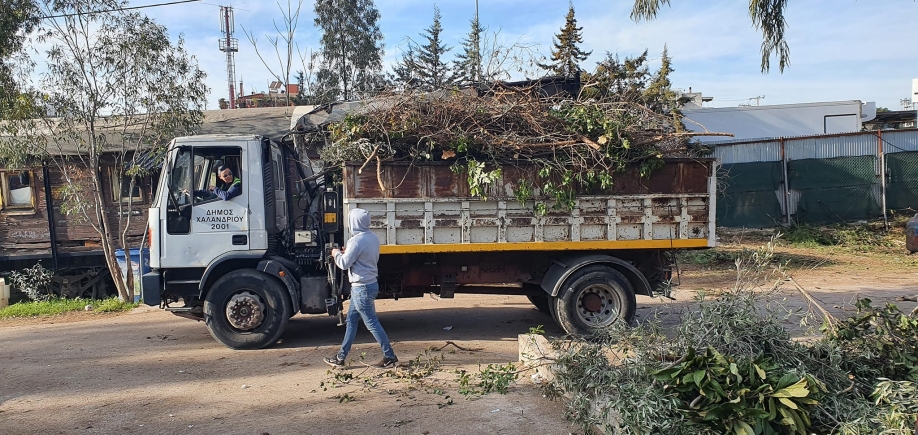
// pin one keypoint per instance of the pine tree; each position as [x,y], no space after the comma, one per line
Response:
[425,62]
[566,55]
[468,64]
[618,80]
[404,72]
[351,48]
[659,95]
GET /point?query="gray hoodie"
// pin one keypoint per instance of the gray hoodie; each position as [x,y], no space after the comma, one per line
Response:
[362,250]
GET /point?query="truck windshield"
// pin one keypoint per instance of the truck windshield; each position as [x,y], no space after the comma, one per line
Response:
[179,190]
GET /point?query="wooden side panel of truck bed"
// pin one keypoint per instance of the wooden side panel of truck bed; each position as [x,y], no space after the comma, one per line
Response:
[427,209]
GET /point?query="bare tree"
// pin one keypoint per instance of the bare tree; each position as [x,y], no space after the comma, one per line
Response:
[283,44]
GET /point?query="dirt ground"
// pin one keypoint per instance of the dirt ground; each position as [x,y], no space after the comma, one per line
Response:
[148,372]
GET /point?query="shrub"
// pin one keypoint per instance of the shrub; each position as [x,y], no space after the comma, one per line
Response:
[33,281]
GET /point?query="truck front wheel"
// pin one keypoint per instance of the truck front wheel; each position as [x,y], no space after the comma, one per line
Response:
[246,309]
[594,298]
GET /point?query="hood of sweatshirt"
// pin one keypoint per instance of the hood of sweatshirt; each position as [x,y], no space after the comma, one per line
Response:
[359,221]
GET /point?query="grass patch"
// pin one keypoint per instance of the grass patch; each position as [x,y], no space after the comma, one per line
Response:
[872,235]
[60,306]
[706,257]
[720,257]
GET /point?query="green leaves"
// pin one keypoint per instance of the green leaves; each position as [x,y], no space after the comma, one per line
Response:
[493,378]
[478,177]
[880,342]
[738,397]
[351,46]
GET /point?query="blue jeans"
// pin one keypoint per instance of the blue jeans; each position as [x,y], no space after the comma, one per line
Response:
[363,306]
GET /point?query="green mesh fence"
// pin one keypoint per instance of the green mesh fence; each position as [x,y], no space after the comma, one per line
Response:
[902,184]
[834,190]
[746,195]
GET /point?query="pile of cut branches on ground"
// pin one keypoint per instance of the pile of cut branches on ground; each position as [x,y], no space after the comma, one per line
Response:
[576,144]
[731,367]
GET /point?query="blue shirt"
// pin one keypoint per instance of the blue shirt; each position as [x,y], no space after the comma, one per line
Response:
[234,190]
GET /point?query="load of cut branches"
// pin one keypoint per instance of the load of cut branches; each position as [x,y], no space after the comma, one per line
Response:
[577,144]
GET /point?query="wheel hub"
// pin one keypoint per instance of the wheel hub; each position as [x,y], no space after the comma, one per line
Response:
[597,306]
[245,311]
[592,303]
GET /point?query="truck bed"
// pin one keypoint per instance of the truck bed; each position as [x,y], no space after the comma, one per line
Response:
[427,209]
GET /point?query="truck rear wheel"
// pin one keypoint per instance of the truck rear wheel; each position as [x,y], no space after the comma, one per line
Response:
[541,302]
[246,309]
[594,298]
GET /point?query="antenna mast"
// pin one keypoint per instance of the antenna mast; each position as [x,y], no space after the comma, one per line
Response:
[229,45]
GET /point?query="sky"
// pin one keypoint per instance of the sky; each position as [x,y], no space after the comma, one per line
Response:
[839,49]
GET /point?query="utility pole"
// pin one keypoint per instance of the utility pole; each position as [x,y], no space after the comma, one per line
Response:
[915,106]
[229,45]
[477,49]
[760,97]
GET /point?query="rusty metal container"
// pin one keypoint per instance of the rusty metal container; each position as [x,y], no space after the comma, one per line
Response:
[428,209]
[911,234]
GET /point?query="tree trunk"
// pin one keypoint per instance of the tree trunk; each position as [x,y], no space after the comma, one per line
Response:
[126,224]
[105,233]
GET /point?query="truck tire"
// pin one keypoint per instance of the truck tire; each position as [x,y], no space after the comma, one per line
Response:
[540,302]
[246,309]
[594,298]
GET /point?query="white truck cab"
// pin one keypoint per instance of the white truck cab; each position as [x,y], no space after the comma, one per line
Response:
[222,256]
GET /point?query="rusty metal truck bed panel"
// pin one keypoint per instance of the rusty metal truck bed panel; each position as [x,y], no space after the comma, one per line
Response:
[428,209]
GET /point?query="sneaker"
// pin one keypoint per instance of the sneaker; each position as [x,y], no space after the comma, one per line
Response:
[387,363]
[334,362]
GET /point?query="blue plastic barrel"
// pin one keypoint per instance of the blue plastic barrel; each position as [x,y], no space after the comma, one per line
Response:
[140,264]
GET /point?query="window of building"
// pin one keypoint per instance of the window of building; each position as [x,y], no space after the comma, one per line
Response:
[16,192]
[122,185]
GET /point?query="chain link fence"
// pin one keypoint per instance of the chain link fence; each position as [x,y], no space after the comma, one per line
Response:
[819,179]
[902,181]
[834,190]
[748,194]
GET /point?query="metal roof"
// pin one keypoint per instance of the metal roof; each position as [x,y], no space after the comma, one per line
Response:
[272,122]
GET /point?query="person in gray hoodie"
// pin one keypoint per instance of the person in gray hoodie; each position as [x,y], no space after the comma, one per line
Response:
[359,258]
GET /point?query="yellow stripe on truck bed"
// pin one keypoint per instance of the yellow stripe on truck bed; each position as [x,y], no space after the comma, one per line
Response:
[544,246]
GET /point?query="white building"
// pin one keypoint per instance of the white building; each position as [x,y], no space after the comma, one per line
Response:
[754,122]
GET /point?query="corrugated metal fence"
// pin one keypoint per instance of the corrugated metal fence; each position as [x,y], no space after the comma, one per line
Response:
[816,179]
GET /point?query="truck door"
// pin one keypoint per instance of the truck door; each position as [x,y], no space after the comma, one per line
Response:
[200,225]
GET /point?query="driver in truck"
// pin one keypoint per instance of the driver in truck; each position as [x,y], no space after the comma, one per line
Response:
[359,258]
[228,186]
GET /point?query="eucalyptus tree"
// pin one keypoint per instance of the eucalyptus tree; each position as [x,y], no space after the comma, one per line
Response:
[18,18]
[118,89]
[767,16]
[351,47]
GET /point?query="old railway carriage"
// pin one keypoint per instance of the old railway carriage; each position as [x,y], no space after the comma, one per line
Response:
[34,227]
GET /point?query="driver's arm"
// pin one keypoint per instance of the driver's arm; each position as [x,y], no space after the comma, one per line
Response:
[228,194]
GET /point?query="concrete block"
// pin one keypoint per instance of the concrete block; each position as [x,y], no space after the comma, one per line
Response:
[4,293]
[537,358]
